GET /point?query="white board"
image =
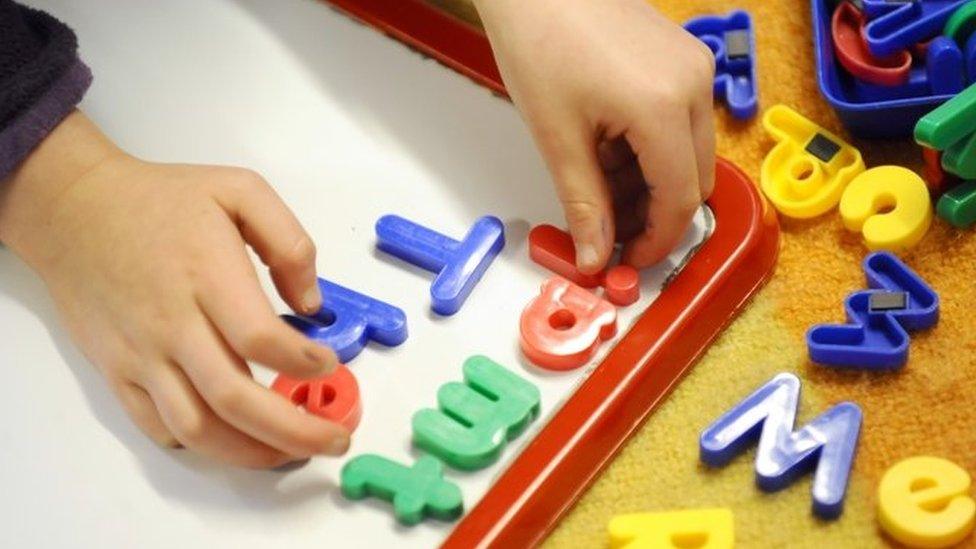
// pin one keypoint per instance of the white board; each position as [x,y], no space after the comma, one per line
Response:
[347,125]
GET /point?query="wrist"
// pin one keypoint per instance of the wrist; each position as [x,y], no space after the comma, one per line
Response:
[30,195]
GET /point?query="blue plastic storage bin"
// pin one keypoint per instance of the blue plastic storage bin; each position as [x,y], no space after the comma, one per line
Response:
[894,118]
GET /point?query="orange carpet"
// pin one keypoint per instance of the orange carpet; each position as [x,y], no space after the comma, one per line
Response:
[929,407]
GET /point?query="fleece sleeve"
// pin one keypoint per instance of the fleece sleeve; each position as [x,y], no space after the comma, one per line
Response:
[41,79]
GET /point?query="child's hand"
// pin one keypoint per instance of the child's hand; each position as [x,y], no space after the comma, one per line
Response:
[148,266]
[619,100]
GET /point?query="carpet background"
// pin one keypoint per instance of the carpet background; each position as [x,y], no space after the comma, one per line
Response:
[929,407]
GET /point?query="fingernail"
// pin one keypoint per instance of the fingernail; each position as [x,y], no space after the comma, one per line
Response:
[586,255]
[338,446]
[312,300]
[322,356]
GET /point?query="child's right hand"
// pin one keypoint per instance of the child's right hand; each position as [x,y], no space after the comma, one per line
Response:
[148,266]
[619,100]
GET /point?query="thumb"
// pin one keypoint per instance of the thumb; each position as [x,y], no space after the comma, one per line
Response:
[279,240]
[584,195]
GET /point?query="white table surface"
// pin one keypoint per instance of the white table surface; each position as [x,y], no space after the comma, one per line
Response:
[347,125]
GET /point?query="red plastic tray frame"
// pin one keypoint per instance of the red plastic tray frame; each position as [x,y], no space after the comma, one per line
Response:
[553,470]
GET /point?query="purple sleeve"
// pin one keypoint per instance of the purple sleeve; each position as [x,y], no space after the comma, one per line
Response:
[41,79]
[32,125]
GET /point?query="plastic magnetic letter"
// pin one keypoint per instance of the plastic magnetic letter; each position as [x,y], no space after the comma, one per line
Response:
[876,8]
[885,272]
[949,128]
[937,179]
[948,123]
[876,339]
[909,23]
[701,528]
[563,326]
[961,24]
[416,492]
[334,397]
[348,320]
[898,190]
[553,248]
[871,341]
[847,27]
[960,157]
[730,38]
[943,72]
[622,285]
[945,67]
[830,441]
[459,265]
[806,171]
[958,205]
[477,417]
[924,502]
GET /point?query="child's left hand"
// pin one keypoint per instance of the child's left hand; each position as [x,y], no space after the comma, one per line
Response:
[619,100]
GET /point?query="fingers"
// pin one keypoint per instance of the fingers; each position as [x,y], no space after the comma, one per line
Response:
[231,297]
[196,426]
[669,164]
[254,410]
[278,238]
[141,408]
[572,158]
[703,137]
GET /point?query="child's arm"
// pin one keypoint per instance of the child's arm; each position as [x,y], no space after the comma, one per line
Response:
[619,100]
[148,267]
[147,263]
